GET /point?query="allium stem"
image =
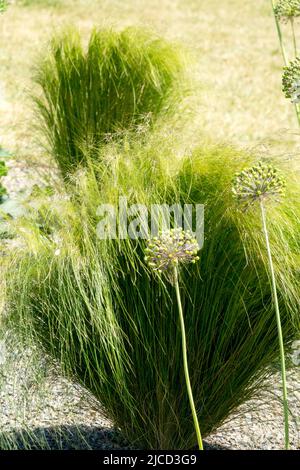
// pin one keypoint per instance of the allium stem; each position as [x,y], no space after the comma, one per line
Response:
[185,362]
[279,32]
[294,36]
[279,328]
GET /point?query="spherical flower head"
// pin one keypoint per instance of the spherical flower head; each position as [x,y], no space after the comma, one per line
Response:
[258,183]
[171,248]
[291,80]
[287,9]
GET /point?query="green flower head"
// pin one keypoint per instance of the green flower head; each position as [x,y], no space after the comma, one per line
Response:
[291,80]
[287,9]
[258,183]
[171,248]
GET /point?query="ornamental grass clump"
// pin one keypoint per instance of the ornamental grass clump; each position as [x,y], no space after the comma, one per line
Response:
[260,185]
[97,309]
[165,254]
[89,95]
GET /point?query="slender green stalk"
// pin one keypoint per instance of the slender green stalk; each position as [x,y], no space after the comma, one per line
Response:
[185,362]
[297,112]
[280,335]
[279,32]
[294,36]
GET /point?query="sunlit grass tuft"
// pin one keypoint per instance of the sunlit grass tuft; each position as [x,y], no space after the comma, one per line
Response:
[121,81]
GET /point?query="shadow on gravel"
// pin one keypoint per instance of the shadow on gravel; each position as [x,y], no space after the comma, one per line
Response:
[69,437]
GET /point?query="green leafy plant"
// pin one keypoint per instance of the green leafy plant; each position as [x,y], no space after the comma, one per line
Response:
[120,81]
[3,172]
[3,5]
[260,184]
[96,308]
[165,254]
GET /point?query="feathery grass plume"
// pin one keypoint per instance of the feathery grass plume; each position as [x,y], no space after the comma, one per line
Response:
[87,95]
[287,9]
[98,310]
[165,254]
[260,184]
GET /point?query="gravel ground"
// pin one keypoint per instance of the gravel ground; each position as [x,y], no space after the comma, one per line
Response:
[259,423]
[48,408]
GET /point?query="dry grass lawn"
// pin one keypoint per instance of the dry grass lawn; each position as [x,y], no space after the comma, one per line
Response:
[237,64]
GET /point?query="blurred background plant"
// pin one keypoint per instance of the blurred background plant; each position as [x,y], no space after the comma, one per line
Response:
[3,172]
[286,12]
[40,3]
[3,169]
[3,5]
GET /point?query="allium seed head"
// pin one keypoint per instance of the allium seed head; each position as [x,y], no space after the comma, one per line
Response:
[258,183]
[287,9]
[171,248]
[291,80]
